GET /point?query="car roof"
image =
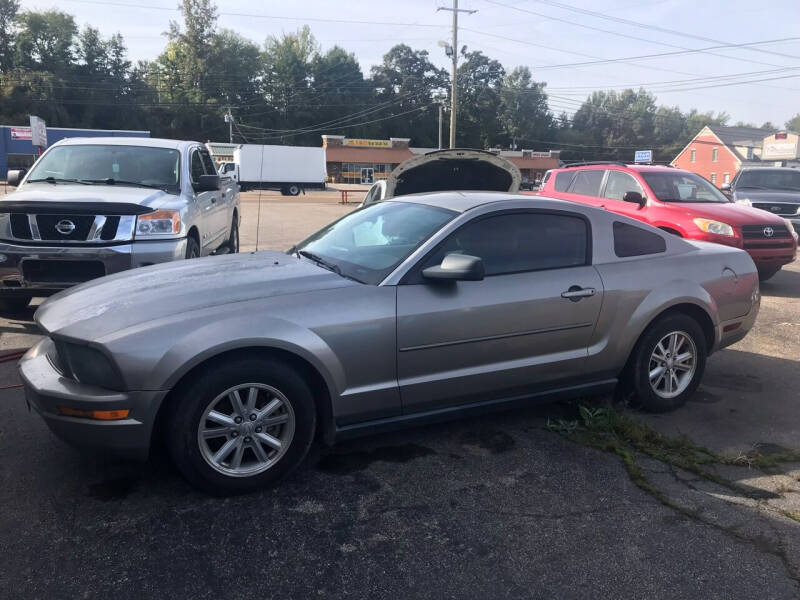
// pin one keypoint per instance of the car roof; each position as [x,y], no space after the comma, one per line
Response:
[613,165]
[463,201]
[126,141]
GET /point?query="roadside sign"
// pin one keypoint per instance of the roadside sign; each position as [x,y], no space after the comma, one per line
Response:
[643,156]
[20,133]
[38,132]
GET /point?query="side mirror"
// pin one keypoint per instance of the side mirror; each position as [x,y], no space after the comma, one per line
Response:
[456,267]
[207,183]
[726,187]
[634,197]
[14,177]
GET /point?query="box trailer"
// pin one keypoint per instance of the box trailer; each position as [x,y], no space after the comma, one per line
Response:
[290,169]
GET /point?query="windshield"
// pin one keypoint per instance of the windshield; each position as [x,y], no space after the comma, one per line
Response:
[682,187]
[370,243]
[139,166]
[770,179]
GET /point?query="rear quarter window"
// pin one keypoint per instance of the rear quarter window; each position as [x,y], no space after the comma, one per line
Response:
[588,182]
[630,240]
[563,180]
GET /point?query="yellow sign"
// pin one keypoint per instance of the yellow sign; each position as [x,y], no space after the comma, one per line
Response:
[368,143]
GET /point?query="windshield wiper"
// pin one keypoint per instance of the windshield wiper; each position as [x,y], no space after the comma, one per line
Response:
[55,180]
[326,264]
[752,187]
[112,181]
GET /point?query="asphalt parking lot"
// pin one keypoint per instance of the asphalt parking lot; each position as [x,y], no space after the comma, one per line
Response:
[494,507]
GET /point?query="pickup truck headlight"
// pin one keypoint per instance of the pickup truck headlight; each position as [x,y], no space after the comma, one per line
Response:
[745,201]
[715,227]
[86,365]
[158,224]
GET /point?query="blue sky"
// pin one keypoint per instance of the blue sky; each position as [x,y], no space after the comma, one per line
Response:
[550,41]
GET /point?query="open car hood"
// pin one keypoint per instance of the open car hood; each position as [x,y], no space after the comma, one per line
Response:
[451,170]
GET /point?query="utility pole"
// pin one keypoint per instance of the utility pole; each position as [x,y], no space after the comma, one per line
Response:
[454,54]
[229,121]
[440,124]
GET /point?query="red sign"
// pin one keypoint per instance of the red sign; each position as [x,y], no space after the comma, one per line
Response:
[21,133]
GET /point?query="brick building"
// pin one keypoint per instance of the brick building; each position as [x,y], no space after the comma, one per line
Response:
[717,153]
[351,160]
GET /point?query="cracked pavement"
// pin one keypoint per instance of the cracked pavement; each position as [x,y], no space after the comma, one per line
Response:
[495,506]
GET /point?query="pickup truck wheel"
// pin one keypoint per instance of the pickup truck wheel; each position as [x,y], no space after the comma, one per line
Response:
[192,248]
[764,274]
[13,305]
[233,239]
[668,363]
[241,426]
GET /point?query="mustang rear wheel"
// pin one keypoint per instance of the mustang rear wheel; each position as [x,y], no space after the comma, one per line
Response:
[241,426]
[668,363]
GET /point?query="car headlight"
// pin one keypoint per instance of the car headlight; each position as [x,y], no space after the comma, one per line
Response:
[715,227]
[86,365]
[789,225]
[745,201]
[158,224]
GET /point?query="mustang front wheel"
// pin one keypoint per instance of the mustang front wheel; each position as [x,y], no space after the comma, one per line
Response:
[241,426]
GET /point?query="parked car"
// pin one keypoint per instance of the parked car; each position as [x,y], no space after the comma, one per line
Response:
[408,311]
[290,169]
[441,170]
[91,207]
[773,189]
[681,203]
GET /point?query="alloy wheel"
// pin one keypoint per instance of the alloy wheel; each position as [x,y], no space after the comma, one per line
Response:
[246,429]
[672,364]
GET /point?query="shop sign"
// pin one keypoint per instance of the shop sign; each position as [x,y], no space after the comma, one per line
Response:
[367,143]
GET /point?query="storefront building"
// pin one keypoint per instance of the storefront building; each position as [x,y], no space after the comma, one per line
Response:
[17,151]
[352,160]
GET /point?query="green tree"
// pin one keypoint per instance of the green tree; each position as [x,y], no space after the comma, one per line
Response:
[793,124]
[46,41]
[480,79]
[525,114]
[8,14]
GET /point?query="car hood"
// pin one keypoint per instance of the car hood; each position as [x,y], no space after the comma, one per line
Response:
[78,194]
[728,212]
[767,195]
[109,304]
[451,170]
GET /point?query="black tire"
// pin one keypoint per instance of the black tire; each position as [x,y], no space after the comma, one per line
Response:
[764,274]
[637,377]
[189,407]
[13,305]
[233,239]
[293,190]
[192,248]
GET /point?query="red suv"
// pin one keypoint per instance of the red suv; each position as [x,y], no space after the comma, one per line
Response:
[680,202]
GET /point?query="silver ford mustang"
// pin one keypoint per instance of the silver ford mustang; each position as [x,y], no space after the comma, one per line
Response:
[411,310]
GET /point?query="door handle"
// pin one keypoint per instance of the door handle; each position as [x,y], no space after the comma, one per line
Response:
[576,292]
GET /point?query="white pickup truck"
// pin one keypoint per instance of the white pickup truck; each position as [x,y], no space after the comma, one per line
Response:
[90,207]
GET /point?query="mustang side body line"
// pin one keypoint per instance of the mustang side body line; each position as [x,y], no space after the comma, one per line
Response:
[410,310]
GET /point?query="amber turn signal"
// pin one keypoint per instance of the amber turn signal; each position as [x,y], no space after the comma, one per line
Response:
[101,415]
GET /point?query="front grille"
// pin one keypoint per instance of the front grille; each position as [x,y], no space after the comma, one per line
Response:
[80,224]
[768,245]
[762,232]
[20,226]
[782,209]
[62,271]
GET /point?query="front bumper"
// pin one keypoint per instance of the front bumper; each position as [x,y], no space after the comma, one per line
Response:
[108,259]
[46,389]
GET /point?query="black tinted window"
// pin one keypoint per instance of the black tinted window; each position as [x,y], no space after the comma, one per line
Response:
[208,162]
[630,240]
[520,242]
[588,182]
[563,180]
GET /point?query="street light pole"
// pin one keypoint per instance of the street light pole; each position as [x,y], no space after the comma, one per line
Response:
[454,70]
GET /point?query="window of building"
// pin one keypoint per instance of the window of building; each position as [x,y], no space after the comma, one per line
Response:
[714,154]
[587,182]
[693,155]
[513,243]
[726,178]
[630,240]
[20,161]
[713,178]
[619,183]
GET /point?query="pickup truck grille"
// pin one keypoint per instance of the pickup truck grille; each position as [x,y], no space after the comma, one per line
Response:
[784,209]
[765,232]
[69,228]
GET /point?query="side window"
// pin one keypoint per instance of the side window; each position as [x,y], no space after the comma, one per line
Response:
[515,242]
[546,177]
[563,180]
[197,166]
[230,167]
[618,183]
[630,240]
[208,163]
[588,182]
